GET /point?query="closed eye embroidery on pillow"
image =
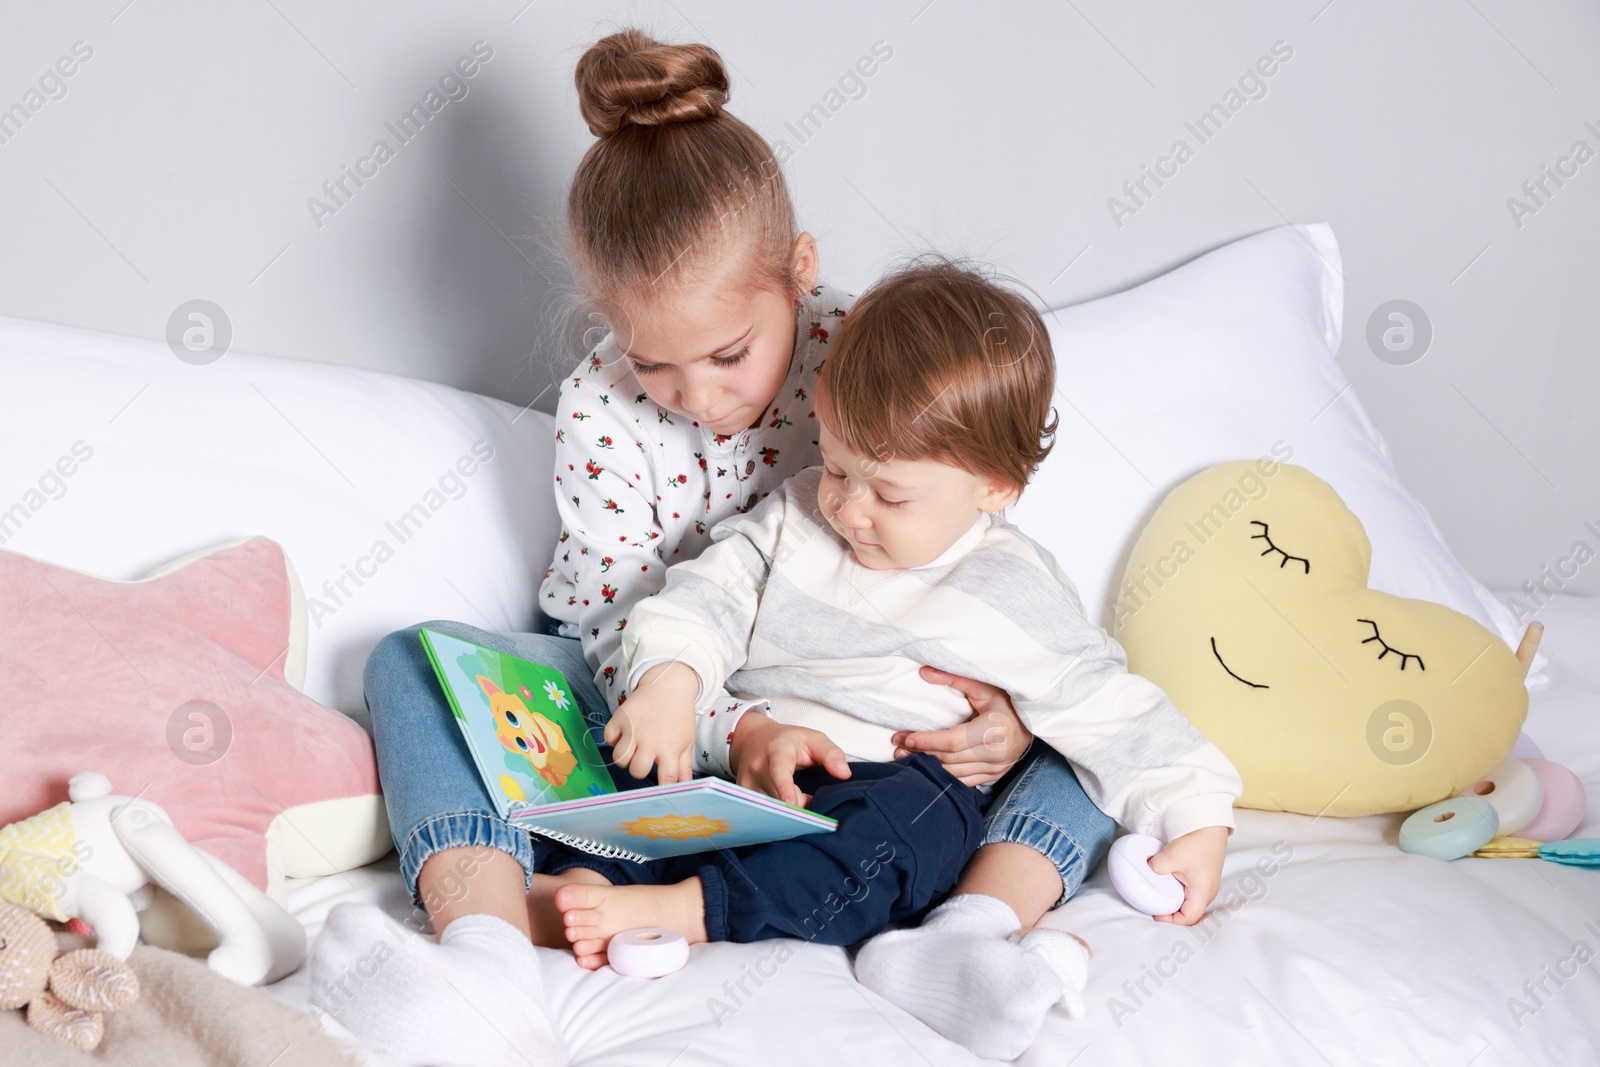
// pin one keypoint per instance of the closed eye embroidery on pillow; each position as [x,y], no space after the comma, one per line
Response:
[1387,649]
[1271,548]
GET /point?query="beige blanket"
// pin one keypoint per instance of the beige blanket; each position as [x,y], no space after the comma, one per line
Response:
[186,1017]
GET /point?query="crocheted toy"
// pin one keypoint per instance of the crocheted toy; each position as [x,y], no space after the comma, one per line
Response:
[66,996]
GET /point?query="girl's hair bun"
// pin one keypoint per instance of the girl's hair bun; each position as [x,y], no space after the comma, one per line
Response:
[631,79]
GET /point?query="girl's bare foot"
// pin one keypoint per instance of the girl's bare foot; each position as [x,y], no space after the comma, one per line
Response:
[595,913]
[544,918]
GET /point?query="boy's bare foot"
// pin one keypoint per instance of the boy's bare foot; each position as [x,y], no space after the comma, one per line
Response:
[544,918]
[594,913]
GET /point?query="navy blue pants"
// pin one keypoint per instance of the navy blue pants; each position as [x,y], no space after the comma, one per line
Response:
[906,829]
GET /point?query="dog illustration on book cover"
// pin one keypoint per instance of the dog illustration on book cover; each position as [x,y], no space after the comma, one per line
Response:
[530,735]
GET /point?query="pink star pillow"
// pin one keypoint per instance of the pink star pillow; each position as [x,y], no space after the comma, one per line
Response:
[174,687]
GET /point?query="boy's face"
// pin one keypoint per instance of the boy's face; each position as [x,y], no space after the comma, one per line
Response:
[900,513]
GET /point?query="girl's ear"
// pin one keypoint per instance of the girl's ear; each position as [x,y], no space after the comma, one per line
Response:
[805,261]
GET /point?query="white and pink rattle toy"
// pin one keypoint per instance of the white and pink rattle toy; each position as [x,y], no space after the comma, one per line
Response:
[647,952]
[1139,885]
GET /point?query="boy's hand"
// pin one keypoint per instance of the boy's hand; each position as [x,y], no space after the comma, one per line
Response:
[655,726]
[1196,860]
[983,748]
[766,754]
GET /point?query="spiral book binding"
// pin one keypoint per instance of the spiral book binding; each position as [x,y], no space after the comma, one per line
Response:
[612,852]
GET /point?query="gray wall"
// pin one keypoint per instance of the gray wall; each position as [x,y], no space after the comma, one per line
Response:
[179,162]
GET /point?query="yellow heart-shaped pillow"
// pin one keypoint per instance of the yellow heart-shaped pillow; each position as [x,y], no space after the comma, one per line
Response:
[1246,599]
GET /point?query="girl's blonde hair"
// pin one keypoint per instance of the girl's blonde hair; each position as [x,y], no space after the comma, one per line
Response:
[674,184]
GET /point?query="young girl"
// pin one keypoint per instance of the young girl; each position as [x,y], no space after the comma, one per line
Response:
[696,405]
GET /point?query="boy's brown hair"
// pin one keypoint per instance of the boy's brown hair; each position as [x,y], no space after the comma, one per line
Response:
[941,361]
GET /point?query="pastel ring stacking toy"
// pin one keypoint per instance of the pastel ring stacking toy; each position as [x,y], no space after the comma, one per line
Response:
[1514,791]
[647,952]
[1449,829]
[1564,802]
[1131,875]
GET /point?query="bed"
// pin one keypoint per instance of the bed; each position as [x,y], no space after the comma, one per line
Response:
[1326,945]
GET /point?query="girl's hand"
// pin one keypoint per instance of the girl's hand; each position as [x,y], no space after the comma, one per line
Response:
[1196,860]
[655,726]
[765,755]
[983,748]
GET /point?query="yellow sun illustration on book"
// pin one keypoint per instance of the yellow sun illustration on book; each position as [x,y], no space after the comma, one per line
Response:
[677,827]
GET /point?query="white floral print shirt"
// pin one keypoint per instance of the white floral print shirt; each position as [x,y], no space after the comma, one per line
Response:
[639,488]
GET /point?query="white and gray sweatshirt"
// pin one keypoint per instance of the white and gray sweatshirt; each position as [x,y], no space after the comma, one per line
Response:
[778,612]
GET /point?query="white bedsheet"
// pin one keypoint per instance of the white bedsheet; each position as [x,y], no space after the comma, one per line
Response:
[1347,952]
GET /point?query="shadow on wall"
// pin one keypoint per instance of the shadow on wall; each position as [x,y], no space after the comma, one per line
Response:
[487,268]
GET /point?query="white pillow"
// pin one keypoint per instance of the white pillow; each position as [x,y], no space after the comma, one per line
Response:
[1230,356]
[116,456]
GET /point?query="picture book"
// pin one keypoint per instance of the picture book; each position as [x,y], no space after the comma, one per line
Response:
[544,771]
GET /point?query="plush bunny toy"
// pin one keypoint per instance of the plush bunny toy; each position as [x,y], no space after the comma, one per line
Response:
[97,859]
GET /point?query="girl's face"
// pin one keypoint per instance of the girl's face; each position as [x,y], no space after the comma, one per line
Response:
[718,354]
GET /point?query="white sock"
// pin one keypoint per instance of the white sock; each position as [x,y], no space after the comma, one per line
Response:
[473,997]
[965,975]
